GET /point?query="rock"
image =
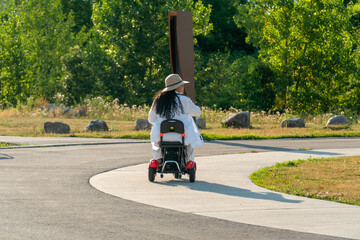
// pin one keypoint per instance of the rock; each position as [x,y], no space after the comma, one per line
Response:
[97,125]
[56,127]
[200,122]
[80,113]
[51,106]
[67,111]
[238,120]
[142,124]
[337,122]
[293,123]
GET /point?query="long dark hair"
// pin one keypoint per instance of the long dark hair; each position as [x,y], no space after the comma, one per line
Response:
[167,104]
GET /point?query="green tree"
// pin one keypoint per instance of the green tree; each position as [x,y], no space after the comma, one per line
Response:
[78,80]
[82,11]
[13,84]
[34,36]
[235,80]
[308,46]
[134,34]
[225,36]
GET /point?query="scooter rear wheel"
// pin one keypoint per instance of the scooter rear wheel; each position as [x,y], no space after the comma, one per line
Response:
[152,173]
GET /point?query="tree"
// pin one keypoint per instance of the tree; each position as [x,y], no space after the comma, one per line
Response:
[134,34]
[82,11]
[13,85]
[225,36]
[308,46]
[34,36]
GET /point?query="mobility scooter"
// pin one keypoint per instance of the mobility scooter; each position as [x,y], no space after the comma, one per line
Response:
[174,157]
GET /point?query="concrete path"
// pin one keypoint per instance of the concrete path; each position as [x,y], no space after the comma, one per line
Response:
[223,191]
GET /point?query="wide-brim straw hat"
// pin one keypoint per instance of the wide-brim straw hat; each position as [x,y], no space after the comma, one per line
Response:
[172,82]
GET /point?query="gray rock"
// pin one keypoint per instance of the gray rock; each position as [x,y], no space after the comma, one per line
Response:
[97,125]
[200,122]
[337,122]
[237,120]
[56,127]
[142,124]
[80,113]
[51,106]
[67,111]
[293,123]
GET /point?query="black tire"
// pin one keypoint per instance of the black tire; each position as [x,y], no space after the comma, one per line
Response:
[192,174]
[152,173]
[177,175]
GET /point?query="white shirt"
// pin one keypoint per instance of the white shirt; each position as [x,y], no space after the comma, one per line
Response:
[192,134]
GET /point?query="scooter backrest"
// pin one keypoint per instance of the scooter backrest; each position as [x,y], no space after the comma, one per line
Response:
[172,125]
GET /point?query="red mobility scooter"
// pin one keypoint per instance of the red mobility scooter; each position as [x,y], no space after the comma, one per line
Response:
[174,157]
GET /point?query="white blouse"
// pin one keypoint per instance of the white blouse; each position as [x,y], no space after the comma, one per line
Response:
[192,134]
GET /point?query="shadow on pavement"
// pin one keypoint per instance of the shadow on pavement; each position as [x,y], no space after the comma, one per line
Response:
[277,149]
[204,186]
[5,157]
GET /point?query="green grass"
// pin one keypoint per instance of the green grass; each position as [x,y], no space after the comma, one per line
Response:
[26,121]
[3,144]
[7,145]
[334,179]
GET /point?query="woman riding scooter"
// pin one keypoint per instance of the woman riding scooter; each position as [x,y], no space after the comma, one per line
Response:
[170,103]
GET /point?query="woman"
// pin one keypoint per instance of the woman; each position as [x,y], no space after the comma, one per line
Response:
[171,104]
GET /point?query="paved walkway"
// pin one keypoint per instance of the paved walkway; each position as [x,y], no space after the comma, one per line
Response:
[223,190]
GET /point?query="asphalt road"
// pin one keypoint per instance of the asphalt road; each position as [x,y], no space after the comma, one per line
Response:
[45,194]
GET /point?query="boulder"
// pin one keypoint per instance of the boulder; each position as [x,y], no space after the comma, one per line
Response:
[237,120]
[142,124]
[200,122]
[51,106]
[80,113]
[67,111]
[56,127]
[97,125]
[293,123]
[337,122]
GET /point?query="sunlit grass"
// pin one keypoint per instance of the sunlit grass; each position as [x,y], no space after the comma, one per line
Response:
[336,179]
[28,120]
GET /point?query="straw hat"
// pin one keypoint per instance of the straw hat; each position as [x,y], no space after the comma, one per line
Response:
[172,82]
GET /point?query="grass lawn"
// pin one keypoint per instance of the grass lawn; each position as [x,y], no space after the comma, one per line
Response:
[33,126]
[336,179]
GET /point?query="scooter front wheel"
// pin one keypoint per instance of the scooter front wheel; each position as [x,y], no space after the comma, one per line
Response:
[192,174]
[152,173]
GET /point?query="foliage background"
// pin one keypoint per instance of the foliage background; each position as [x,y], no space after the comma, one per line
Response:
[298,56]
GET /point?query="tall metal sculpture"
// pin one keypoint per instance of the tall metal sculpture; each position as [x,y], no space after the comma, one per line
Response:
[182,48]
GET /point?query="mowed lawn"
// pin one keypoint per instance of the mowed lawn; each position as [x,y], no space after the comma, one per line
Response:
[336,179]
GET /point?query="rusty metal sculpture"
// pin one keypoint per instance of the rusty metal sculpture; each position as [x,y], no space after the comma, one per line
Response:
[182,48]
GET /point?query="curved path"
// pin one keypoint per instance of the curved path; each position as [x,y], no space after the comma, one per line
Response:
[223,190]
[45,193]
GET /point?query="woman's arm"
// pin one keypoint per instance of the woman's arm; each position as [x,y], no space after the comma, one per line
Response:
[190,107]
[152,115]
